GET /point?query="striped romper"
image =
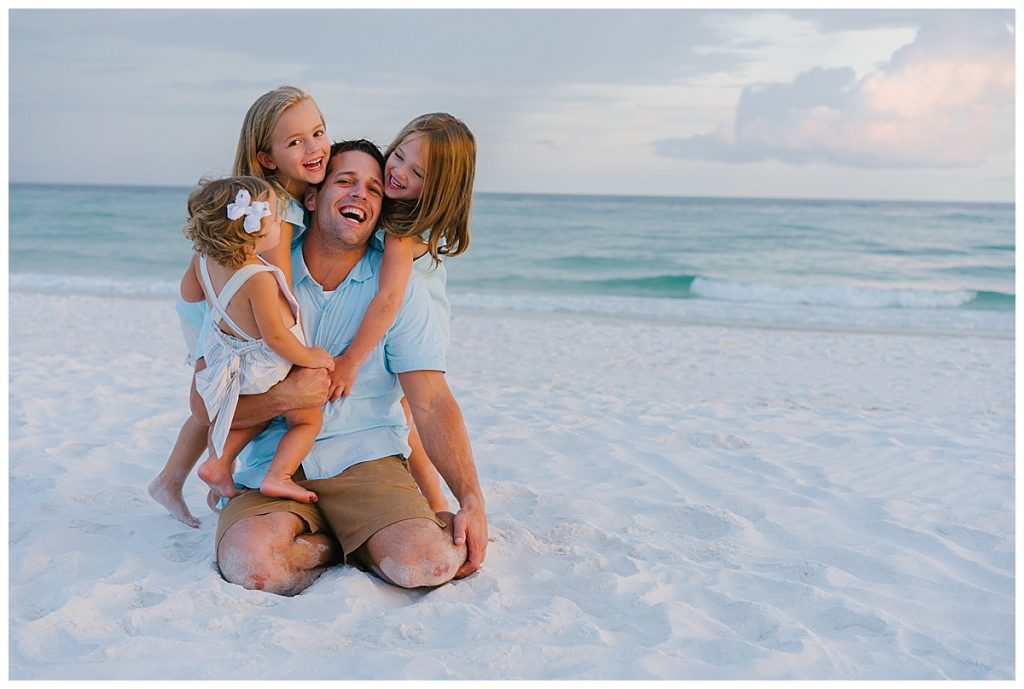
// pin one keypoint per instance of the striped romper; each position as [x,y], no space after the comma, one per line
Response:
[237,365]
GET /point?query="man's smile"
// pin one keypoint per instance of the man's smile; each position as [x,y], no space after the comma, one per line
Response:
[353,213]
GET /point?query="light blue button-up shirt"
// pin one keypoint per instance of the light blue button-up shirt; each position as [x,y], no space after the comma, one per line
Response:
[368,423]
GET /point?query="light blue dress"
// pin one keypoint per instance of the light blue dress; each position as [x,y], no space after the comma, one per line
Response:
[191,316]
[298,216]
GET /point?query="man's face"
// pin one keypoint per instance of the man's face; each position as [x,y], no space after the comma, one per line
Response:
[347,205]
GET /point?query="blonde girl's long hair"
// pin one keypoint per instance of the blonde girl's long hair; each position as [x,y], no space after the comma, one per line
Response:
[258,128]
[442,210]
[215,235]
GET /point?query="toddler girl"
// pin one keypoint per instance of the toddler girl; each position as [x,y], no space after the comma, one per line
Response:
[254,334]
[428,177]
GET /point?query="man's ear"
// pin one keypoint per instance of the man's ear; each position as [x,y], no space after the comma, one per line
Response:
[266,161]
[309,198]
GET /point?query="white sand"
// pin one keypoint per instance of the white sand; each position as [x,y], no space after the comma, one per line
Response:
[665,503]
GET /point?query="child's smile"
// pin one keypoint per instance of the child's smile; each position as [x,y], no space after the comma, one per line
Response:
[405,168]
[299,148]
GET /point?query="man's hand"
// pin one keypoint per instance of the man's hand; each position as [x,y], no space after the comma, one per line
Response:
[342,377]
[470,527]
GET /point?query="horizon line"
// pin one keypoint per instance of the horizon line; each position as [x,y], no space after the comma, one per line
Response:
[107,185]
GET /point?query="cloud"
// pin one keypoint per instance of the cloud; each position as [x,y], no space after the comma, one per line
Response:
[832,20]
[944,100]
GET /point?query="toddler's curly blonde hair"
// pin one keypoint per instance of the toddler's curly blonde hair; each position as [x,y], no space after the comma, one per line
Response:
[212,233]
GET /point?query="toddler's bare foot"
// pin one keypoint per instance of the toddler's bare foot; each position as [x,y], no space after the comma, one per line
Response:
[170,497]
[218,477]
[284,487]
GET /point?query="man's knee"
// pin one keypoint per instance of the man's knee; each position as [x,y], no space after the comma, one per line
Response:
[416,553]
[262,553]
[423,570]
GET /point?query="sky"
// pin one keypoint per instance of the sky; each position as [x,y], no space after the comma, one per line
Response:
[871,104]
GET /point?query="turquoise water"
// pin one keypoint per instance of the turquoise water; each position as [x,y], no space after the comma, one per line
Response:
[803,263]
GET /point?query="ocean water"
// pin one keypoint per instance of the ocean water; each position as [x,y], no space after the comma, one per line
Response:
[847,265]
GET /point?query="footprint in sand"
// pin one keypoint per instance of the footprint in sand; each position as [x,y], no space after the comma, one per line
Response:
[185,547]
[843,619]
[756,623]
[107,530]
[701,523]
[803,571]
[722,441]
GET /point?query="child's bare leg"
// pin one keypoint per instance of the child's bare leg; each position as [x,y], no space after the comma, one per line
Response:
[303,426]
[212,471]
[422,469]
[216,471]
[167,486]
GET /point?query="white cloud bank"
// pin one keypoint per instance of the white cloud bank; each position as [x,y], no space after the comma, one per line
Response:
[944,100]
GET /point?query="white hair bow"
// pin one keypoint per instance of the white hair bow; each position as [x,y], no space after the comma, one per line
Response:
[253,212]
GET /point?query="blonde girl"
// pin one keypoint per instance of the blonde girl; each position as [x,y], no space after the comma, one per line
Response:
[283,141]
[428,179]
[254,334]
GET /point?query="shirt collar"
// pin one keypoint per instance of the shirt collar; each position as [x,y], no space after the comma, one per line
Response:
[363,270]
[299,270]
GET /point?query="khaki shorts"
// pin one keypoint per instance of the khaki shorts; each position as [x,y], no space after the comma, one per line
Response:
[351,506]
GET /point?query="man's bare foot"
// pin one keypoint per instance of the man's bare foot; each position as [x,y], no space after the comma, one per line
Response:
[170,497]
[284,487]
[218,477]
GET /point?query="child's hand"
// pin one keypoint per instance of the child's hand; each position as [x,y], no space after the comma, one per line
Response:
[342,378]
[321,358]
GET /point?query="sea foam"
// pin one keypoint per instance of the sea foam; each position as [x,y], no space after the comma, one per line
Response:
[93,285]
[711,302]
[831,295]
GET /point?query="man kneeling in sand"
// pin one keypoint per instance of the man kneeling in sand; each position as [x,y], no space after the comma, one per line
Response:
[370,512]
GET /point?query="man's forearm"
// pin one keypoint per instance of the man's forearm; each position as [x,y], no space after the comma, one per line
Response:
[447,444]
[253,410]
[304,388]
[444,436]
[446,440]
